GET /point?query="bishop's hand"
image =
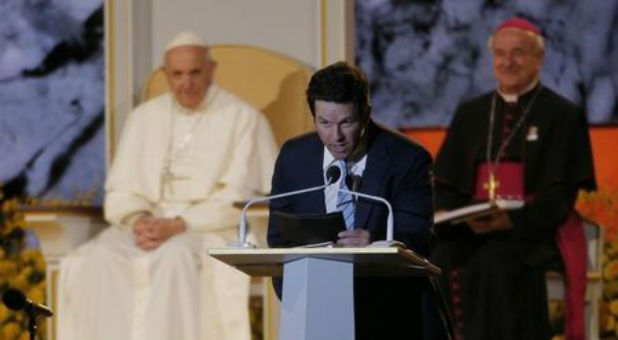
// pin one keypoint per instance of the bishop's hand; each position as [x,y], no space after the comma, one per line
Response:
[495,222]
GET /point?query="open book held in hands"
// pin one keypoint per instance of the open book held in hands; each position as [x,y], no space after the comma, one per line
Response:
[503,180]
[476,210]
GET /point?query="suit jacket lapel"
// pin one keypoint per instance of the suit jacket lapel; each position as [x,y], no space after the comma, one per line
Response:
[372,182]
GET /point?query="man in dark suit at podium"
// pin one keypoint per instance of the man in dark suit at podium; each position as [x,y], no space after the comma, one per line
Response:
[374,161]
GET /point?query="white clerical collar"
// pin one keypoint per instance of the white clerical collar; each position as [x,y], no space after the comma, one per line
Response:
[512,98]
[208,98]
[356,168]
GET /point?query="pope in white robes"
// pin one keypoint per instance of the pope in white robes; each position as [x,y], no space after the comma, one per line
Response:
[182,160]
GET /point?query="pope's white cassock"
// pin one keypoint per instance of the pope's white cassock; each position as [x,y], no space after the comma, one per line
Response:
[171,162]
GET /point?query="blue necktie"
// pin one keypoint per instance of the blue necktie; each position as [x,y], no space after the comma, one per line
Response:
[345,203]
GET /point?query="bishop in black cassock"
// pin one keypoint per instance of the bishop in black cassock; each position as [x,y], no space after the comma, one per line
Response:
[495,278]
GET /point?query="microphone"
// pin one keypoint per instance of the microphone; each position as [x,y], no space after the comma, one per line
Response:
[16,300]
[333,173]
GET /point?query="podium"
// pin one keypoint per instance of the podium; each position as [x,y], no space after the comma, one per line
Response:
[318,296]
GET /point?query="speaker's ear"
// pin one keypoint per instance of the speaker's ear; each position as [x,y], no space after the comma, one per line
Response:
[364,127]
[361,144]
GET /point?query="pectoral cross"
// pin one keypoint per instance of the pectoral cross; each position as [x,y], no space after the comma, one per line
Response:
[168,177]
[491,185]
[166,181]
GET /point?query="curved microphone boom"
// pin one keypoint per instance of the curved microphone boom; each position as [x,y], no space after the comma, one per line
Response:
[389,219]
[332,175]
[16,300]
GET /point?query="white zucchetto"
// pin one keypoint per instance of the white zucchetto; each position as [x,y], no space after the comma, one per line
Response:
[186,38]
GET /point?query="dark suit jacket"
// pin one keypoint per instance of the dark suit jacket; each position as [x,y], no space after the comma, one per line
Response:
[397,170]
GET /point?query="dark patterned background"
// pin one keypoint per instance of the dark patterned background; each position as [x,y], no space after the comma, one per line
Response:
[423,57]
[52,138]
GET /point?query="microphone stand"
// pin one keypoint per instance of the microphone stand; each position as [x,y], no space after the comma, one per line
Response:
[32,322]
[389,242]
[15,300]
[242,232]
[332,175]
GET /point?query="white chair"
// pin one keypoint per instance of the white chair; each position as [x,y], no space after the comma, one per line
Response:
[272,82]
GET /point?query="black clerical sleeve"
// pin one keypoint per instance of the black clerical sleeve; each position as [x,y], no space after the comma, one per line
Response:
[541,217]
[455,163]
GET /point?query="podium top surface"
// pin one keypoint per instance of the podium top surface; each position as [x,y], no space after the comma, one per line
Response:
[368,261]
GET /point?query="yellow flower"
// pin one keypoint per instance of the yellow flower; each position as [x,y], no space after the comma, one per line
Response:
[25,335]
[37,293]
[610,290]
[613,307]
[4,312]
[29,254]
[19,222]
[610,324]
[8,267]
[26,271]
[9,206]
[10,330]
[34,258]
[610,271]
[20,317]
[39,264]
[556,309]
[19,282]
